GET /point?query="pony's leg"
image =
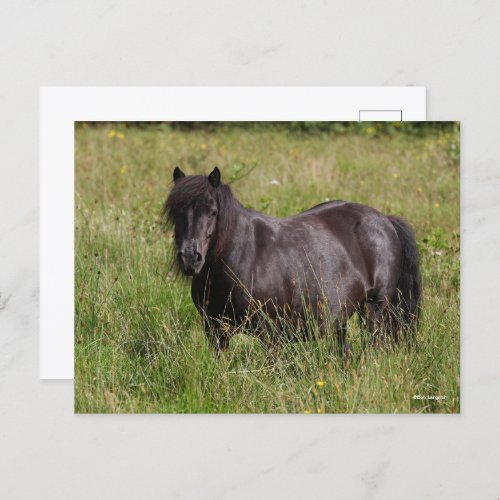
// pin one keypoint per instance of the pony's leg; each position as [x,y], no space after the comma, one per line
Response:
[343,345]
[376,316]
[217,339]
[363,325]
[385,321]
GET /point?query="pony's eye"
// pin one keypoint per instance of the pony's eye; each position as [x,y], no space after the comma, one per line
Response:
[213,213]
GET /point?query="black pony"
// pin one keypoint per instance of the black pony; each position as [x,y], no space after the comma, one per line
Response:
[332,260]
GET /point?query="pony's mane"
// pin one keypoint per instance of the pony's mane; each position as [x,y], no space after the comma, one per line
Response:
[189,188]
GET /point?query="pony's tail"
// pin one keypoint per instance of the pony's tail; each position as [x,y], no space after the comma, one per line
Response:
[406,300]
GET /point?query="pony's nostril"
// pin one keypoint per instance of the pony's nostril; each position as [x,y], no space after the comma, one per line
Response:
[198,257]
[180,255]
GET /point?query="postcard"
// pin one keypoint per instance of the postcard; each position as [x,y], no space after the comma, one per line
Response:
[62,108]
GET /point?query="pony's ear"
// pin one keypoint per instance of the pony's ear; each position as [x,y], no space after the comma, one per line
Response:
[178,174]
[214,177]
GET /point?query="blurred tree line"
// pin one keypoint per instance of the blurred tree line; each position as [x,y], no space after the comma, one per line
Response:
[418,129]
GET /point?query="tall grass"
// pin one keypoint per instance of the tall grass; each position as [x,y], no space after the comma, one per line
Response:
[139,342]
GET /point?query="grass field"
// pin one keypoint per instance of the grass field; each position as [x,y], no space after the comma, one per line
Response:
[139,342]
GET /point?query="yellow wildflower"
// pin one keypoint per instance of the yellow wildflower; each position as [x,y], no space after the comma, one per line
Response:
[203,146]
[320,383]
[120,135]
[307,412]
[436,205]
[111,133]
[319,410]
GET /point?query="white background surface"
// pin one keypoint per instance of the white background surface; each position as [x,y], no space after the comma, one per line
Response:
[451,47]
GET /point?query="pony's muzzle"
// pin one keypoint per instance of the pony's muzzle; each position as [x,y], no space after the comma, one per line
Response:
[190,261]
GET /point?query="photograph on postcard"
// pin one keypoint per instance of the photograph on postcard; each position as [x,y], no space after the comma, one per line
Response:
[267,267]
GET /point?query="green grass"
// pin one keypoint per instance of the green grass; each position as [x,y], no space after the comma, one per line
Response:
[139,342]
